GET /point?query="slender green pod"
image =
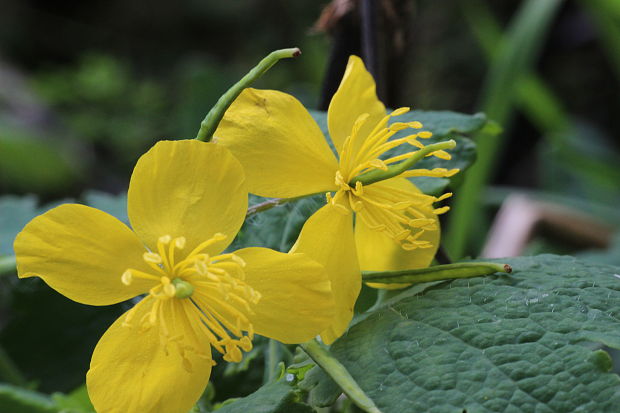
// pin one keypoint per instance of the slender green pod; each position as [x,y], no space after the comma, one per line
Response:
[215,115]
[436,273]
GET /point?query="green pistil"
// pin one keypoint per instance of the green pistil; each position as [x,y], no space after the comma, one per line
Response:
[183,288]
[377,175]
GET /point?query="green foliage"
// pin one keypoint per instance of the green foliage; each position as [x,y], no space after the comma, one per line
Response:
[15,212]
[15,399]
[19,400]
[515,57]
[519,342]
[276,397]
[27,162]
[278,227]
[102,103]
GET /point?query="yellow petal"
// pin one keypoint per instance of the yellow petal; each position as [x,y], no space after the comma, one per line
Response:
[327,237]
[82,253]
[355,96]
[187,189]
[378,252]
[296,301]
[278,143]
[140,370]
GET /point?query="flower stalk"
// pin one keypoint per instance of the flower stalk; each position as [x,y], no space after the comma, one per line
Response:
[215,115]
[340,375]
[7,265]
[436,273]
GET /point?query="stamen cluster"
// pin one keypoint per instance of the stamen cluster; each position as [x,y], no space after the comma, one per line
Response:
[387,208]
[214,286]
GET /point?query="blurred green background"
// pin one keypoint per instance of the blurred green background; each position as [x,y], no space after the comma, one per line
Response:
[87,87]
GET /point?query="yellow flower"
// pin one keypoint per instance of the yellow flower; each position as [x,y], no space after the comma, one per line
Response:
[285,155]
[186,202]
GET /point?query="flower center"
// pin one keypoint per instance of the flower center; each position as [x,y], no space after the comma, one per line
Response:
[210,289]
[401,214]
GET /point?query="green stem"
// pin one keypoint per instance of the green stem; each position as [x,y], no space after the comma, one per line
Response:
[436,273]
[7,265]
[340,375]
[271,203]
[9,372]
[267,205]
[377,175]
[273,357]
[215,115]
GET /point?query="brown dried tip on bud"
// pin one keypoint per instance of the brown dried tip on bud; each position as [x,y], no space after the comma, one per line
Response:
[507,268]
[297,53]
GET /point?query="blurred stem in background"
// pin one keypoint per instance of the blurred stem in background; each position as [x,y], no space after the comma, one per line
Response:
[606,15]
[273,357]
[7,265]
[517,54]
[9,372]
[533,96]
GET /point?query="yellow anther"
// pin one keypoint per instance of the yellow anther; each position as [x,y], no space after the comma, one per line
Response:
[212,276]
[179,242]
[421,222]
[233,354]
[416,125]
[379,164]
[201,267]
[442,155]
[359,122]
[425,134]
[245,343]
[164,239]
[357,206]
[170,290]
[402,235]
[411,140]
[238,260]
[341,208]
[442,210]
[187,365]
[152,257]
[398,126]
[444,196]
[218,236]
[400,206]
[400,111]
[341,182]
[127,277]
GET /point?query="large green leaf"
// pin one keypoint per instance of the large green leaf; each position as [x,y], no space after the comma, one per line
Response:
[512,343]
[276,397]
[278,227]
